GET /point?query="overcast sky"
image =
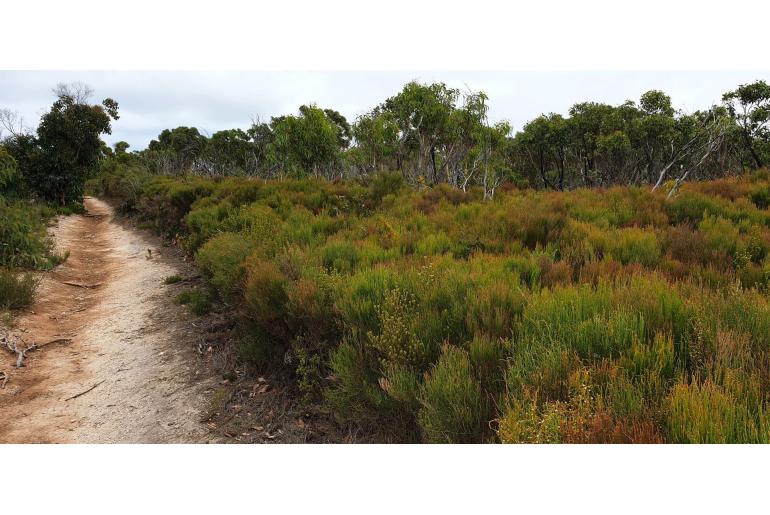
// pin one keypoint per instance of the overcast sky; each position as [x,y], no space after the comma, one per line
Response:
[151,101]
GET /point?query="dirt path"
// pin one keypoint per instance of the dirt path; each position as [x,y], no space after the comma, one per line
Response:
[117,331]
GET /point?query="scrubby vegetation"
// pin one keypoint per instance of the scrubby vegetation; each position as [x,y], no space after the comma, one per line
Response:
[24,247]
[43,174]
[481,291]
[605,315]
[198,301]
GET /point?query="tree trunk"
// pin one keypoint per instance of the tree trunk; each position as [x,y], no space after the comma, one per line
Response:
[750,146]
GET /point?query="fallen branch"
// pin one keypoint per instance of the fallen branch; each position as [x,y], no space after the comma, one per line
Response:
[83,392]
[81,285]
[57,340]
[12,346]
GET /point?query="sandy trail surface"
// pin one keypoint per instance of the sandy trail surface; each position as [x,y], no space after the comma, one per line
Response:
[118,361]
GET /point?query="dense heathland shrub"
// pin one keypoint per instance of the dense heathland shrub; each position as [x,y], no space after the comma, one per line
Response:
[23,239]
[16,290]
[611,315]
[24,246]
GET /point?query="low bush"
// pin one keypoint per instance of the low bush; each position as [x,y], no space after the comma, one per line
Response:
[23,239]
[17,290]
[453,409]
[616,315]
[199,302]
[172,279]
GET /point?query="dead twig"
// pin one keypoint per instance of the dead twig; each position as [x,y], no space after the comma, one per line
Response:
[83,392]
[12,345]
[57,340]
[81,285]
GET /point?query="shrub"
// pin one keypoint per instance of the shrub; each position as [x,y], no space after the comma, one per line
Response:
[386,184]
[220,259]
[340,256]
[172,279]
[358,396]
[584,316]
[453,407]
[8,171]
[495,309]
[707,413]
[23,239]
[635,245]
[311,309]
[761,197]
[265,296]
[523,422]
[397,340]
[17,290]
[721,235]
[199,302]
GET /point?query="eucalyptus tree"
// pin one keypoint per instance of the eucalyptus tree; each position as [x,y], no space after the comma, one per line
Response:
[654,130]
[749,106]
[376,136]
[422,112]
[228,152]
[309,143]
[176,150]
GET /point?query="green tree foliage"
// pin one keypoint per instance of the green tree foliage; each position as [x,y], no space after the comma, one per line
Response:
[749,105]
[310,142]
[377,141]
[422,113]
[176,150]
[432,133]
[8,170]
[228,151]
[56,162]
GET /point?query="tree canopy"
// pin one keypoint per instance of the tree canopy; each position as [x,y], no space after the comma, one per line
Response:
[433,133]
[55,162]
[430,133]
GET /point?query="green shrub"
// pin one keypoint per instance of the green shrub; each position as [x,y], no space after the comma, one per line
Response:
[221,261]
[635,245]
[199,302]
[173,279]
[265,296]
[23,239]
[17,290]
[453,407]
[721,235]
[311,307]
[495,310]
[707,413]
[397,340]
[340,256]
[8,171]
[761,197]
[358,396]
[583,316]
